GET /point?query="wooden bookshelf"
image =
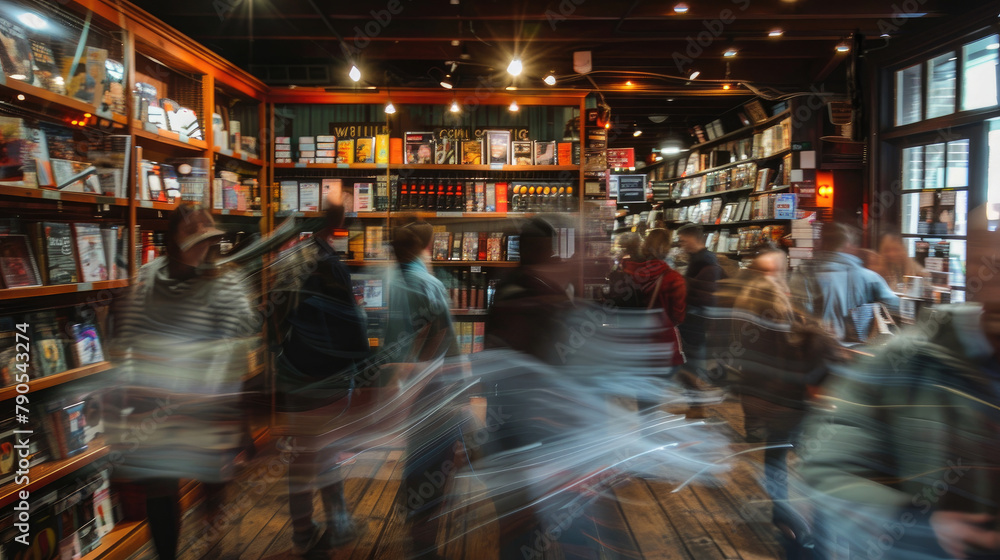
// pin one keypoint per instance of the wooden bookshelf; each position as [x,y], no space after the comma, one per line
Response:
[38,291]
[470,312]
[357,166]
[496,264]
[772,190]
[57,379]
[61,196]
[157,205]
[709,195]
[46,473]
[495,167]
[238,213]
[235,154]
[122,542]
[43,96]
[168,138]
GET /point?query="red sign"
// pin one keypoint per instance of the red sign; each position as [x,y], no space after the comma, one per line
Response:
[621,157]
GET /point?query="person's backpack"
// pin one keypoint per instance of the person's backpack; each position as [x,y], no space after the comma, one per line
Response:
[624,291]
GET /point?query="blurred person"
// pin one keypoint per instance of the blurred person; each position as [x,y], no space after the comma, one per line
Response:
[908,460]
[420,329]
[323,340]
[661,287]
[835,282]
[630,245]
[896,264]
[182,339]
[776,354]
[702,276]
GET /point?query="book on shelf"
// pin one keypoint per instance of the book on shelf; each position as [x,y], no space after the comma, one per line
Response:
[521,152]
[441,246]
[478,336]
[16,55]
[363,197]
[545,153]
[465,337]
[17,262]
[289,195]
[92,259]
[445,151]
[419,147]
[309,196]
[456,248]
[470,246]
[368,291]
[364,150]
[715,213]
[375,243]
[345,150]
[564,153]
[381,148]
[513,248]
[86,345]
[494,246]
[472,152]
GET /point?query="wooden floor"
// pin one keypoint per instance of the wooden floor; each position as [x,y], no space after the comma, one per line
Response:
[723,518]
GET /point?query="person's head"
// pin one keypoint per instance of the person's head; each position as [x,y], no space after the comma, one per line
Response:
[770,261]
[691,238]
[411,241]
[657,244]
[838,237]
[891,248]
[630,244]
[536,241]
[191,232]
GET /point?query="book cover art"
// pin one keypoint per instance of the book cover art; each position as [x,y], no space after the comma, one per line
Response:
[419,147]
[545,153]
[103,509]
[521,152]
[363,197]
[46,70]
[494,247]
[564,153]
[93,263]
[289,195]
[513,247]
[470,246]
[472,152]
[15,52]
[86,345]
[444,151]
[73,424]
[456,248]
[364,150]
[17,263]
[49,354]
[442,246]
[375,243]
[309,196]
[381,148]
[345,151]
[498,147]
[395,150]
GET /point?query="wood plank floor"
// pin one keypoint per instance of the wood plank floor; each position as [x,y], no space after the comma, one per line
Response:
[723,518]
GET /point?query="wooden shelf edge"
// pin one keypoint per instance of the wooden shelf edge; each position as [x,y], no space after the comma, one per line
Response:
[237,155]
[63,196]
[426,167]
[58,379]
[55,289]
[240,213]
[69,103]
[192,144]
[122,542]
[46,473]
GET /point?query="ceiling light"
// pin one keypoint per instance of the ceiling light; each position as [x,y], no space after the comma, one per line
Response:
[657,118]
[628,83]
[454,107]
[513,106]
[670,150]
[33,20]
[884,36]
[729,53]
[775,33]
[550,79]
[843,47]
[681,8]
[355,74]
[694,74]
[514,68]
[455,42]
[658,158]
[446,82]
[670,100]
[637,133]
[20,97]
[607,125]
[390,108]
[993,46]
[726,86]
[511,87]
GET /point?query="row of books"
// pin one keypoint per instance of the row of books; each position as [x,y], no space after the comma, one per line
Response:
[163,112]
[231,137]
[314,195]
[475,246]
[68,521]
[56,344]
[231,192]
[467,289]
[52,253]
[744,175]
[50,156]
[47,60]
[766,143]
[745,238]
[471,336]
[495,147]
[771,206]
[182,179]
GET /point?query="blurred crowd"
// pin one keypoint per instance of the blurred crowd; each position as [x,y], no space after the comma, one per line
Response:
[873,440]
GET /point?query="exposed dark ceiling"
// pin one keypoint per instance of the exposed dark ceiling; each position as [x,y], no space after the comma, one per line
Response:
[408,42]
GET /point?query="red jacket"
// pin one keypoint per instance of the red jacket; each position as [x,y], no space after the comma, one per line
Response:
[670,298]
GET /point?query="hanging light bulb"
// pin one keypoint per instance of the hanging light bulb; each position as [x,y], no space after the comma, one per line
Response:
[550,78]
[513,106]
[390,108]
[355,74]
[726,86]
[694,74]
[454,107]
[514,68]
[447,82]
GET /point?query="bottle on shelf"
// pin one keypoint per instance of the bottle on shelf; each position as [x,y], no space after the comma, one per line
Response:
[421,196]
[449,196]
[570,203]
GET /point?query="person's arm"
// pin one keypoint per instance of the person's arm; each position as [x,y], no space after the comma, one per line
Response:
[673,296]
[880,292]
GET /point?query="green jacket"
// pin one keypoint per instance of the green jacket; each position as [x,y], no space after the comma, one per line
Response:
[913,430]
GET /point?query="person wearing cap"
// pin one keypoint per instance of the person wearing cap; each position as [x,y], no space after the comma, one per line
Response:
[183,333]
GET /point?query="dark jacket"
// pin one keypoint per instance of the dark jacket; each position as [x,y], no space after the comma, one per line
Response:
[703,274]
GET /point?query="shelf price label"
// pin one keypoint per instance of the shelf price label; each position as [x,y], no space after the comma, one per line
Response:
[476,269]
[51,195]
[85,286]
[496,167]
